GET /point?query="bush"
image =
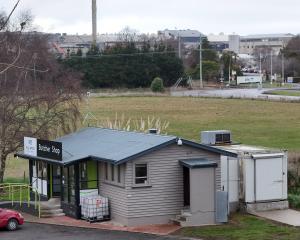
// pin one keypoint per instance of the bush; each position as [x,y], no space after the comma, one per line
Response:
[294,201]
[157,85]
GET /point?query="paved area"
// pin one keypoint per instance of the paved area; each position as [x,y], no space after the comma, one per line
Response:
[288,216]
[33,231]
[235,93]
[161,229]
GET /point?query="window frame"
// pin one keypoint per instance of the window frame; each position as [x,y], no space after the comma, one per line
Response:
[145,184]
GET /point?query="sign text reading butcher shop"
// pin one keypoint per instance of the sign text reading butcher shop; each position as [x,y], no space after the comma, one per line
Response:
[49,149]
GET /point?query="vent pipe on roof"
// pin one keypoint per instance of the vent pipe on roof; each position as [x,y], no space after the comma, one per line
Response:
[153,131]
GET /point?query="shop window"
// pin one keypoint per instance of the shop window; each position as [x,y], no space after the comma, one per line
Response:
[34,165]
[112,170]
[71,185]
[119,173]
[83,175]
[65,185]
[88,175]
[40,170]
[141,174]
[106,171]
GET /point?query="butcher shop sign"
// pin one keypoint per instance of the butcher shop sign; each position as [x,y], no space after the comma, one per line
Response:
[43,148]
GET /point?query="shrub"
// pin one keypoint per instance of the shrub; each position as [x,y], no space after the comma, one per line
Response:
[294,201]
[157,85]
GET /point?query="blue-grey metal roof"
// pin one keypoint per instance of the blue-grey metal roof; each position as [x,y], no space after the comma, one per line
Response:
[198,163]
[108,144]
[114,146]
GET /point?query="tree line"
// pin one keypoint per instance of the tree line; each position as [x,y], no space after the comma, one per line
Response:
[127,64]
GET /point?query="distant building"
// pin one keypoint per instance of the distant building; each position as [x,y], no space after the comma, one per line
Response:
[218,42]
[234,43]
[274,41]
[63,44]
[187,37]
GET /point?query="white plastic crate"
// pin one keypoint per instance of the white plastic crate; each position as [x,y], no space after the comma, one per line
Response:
[94,208]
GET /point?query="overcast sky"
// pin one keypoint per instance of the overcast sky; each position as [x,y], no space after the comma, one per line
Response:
[208,16]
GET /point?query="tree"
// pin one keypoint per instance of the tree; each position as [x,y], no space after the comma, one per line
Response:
[210,62]
[292,53]
[229,61]
[208,54]
[129,64]
[38,97]
[211,70]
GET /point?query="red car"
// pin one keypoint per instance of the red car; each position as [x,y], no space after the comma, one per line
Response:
[10,219]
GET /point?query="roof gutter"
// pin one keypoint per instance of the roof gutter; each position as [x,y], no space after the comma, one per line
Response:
[209,148]
[146,152]
[21,155]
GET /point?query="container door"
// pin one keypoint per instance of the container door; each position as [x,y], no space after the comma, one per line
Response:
[269,179]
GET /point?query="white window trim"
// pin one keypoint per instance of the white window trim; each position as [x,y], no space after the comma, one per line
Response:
[141,185]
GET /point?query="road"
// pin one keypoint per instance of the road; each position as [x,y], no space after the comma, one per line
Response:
[235,93]
[31,231]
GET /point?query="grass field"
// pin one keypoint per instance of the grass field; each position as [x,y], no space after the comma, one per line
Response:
[270,124]
[293,93]
[243,227]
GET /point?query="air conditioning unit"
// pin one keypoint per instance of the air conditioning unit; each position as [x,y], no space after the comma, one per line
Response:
[219,137]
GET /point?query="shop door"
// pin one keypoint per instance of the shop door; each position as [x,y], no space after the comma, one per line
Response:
[186,186]
[56,181]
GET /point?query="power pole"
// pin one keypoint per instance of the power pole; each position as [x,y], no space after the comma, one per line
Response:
[271,66]
[200,62]
[282,62]
[179,46]
[94,21]
[229,70]
[260,70]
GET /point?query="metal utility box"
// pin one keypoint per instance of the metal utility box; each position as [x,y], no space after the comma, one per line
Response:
[216,137]
[265,177]
[256,177]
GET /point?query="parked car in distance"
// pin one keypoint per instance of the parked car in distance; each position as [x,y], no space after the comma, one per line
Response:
[10,219]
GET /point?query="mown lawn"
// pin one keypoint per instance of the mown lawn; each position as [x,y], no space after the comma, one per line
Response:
[270,124]
[243,227]
[293,93]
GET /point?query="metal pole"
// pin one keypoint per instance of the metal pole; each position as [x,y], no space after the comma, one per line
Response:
[94,22]
[179,46]
[200,62]
[282,67]
[229,72]
[260,64]
[271,67]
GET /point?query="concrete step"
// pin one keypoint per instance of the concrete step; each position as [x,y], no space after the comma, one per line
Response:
[52,211]
[175,221]
[52,215]
[50,207]
[53,203]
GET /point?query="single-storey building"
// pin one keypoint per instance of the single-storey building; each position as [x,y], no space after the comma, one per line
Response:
[147,178]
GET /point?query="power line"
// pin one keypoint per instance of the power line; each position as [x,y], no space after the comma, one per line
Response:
[131,54]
